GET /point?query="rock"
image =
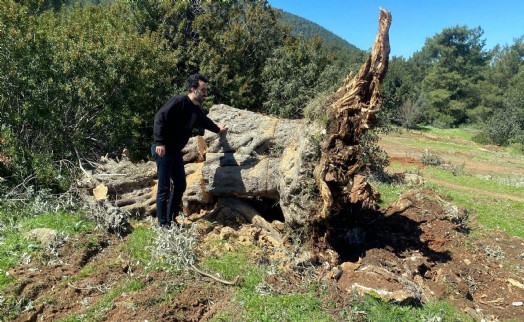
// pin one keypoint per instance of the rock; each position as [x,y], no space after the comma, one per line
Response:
[516,283]
[227,232]
[413,179]
[349,267]
[45,236]
[423,202]
[517,303]
[334,273]
[278,225]
[399,296]
[370,279]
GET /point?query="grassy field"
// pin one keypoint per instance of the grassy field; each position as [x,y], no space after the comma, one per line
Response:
[488,181]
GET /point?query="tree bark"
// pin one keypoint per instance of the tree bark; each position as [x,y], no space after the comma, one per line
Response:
[352,113]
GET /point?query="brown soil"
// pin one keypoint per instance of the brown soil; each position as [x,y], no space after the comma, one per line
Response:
[392,144]
[59,296]
[422,244]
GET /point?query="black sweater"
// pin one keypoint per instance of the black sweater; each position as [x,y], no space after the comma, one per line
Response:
[175,121]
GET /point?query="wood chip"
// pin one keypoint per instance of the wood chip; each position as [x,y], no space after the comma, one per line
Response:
[516,283]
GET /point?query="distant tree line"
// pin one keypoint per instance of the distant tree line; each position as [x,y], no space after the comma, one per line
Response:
[454,80]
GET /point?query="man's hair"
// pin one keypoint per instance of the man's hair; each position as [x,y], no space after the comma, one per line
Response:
[193,81]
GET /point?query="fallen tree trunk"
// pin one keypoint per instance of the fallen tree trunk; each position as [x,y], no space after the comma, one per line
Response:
[292,168]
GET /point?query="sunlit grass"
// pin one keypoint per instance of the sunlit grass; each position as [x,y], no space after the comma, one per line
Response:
[14,246]
[376,310]
[389,193]
[491,212]
[138,244]
[473,182]
[462,133]
[492,201]
[452,141]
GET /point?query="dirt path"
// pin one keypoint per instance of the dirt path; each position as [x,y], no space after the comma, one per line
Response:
[481,160]
[494,195]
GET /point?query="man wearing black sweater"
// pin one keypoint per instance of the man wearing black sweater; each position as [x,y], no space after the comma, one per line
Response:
[174,123]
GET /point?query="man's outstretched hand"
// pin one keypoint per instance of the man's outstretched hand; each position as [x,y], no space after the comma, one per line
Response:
[222,127]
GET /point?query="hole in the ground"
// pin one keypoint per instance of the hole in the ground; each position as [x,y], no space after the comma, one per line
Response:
[353,232]
[422,269]
[349,233]
[269,209]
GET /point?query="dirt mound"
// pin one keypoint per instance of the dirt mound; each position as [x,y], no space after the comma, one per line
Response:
[420,250]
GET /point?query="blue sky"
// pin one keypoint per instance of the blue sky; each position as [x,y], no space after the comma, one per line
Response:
[413,21]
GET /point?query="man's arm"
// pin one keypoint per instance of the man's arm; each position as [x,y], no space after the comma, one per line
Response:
[158,133]
[208,124]
[161,122]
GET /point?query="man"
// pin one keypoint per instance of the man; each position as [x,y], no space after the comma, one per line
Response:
[174,123]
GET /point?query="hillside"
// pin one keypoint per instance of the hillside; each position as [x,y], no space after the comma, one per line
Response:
[307,29]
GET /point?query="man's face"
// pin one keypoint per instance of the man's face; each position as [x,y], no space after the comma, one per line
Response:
[200,92]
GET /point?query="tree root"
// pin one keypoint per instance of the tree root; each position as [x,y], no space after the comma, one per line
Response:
[236,281]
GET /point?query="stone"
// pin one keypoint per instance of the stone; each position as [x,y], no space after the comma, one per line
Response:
[227,232]
[413,179]
[45,236]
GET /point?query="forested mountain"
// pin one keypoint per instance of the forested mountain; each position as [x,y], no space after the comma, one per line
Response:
[308,29]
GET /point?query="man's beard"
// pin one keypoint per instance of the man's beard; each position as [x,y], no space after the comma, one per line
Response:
[198,96]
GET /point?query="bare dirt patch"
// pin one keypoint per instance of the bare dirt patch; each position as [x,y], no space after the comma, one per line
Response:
[399,150]
[419,250]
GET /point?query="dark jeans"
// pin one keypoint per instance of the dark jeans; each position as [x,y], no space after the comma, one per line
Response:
[169,167]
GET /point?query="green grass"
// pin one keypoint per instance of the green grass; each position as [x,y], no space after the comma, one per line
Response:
[389,193]
[483,197]
[15,246]
[455,133]
[285,307]
[229,264]
[444,146]
[257,306]
[474,182]
[138,244]
[375,310]
[454,141]
[488,211]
